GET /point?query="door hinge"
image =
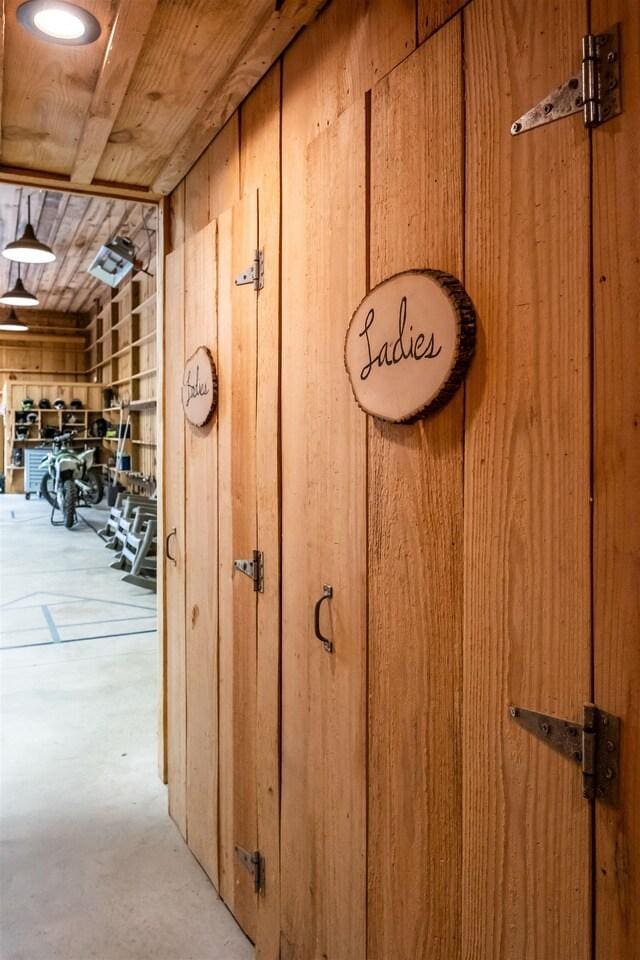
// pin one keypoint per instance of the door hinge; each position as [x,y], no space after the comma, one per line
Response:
[594,744]
[253,569]
[254,863]
[253,274]
[595,90]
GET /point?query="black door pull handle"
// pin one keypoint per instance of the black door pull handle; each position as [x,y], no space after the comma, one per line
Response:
[327,593]
[172,533]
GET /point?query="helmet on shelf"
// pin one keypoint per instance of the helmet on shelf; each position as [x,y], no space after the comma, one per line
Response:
[45,404]
[32,417]
[76,404]
[27,403]
[59,403]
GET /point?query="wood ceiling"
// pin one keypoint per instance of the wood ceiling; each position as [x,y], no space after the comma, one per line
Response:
[139,105]
[75,227]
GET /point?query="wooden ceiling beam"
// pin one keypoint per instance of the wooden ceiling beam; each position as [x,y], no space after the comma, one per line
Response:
[19,176]
[128,34]
[267,41]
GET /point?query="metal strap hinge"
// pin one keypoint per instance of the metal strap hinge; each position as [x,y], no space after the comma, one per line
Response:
[253,274]
[595,90]
[594,744]
[254,569]
[254,863]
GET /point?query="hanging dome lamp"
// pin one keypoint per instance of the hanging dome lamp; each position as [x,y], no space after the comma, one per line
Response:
[27,248]
[18,296]
[13,324]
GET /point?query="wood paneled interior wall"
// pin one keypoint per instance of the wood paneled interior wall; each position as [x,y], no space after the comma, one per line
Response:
[53,347]
[399,810]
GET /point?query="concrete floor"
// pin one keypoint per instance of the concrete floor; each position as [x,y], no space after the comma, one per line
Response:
[91,864]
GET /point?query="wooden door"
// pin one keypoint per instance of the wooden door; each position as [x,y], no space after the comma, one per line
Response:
[323,881]
[174,517]
[201,588]
[237,305]
[616,530]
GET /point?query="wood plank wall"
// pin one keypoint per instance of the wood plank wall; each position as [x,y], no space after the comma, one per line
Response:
[399,811]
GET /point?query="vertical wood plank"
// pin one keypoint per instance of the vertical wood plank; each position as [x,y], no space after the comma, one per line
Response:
[616,282]
[323,884]
[526,875]
[175,520]
[433,14]
[223,157]
[196,197]
[161,319]
[415,532]
[177,217]
[336,59]
[201,536]
[238,539]
[260,169]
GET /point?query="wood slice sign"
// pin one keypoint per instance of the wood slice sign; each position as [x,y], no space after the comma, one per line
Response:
[199,387]
[409,344]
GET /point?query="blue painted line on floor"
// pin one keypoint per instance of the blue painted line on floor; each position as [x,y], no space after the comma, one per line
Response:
[86,623]
[62,598]
[101,636]
[53,630]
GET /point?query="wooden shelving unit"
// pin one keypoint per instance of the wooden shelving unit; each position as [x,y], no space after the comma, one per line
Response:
[13,395]
[121,358]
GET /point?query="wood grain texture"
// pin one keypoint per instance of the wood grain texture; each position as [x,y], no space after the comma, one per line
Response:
[432,14]
[223,157]
[415,532]
[323,874]
[616,283]
[163,468]
[196,198]
[201,537]
[270,30]
[526,882]
[128,32]
[75,227]
[338,57]
[238,538]
[174,507]
[260,169]
[43,118]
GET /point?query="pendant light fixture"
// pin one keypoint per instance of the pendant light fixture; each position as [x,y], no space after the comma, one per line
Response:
[28,249]
[12,324]
[18,296]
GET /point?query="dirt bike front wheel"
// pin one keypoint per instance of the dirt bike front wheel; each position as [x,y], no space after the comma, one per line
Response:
[69,500]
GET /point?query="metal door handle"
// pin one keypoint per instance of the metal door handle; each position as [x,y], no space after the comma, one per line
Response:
[327,593]
[172,533]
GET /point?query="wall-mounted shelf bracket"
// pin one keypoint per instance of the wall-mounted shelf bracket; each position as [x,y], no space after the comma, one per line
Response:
[253,274]
[254,863]
[595,90]
[594,744]
[254,569]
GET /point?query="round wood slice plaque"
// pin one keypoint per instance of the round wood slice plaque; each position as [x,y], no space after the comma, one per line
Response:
[409,344]
[199,387]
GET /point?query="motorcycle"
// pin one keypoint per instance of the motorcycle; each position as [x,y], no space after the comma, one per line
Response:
[70,478]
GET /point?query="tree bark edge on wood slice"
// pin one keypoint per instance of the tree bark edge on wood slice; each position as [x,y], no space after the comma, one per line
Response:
[403,392]
[199,387]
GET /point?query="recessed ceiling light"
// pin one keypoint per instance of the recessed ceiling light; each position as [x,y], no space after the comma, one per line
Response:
[12,323]
[59,22]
